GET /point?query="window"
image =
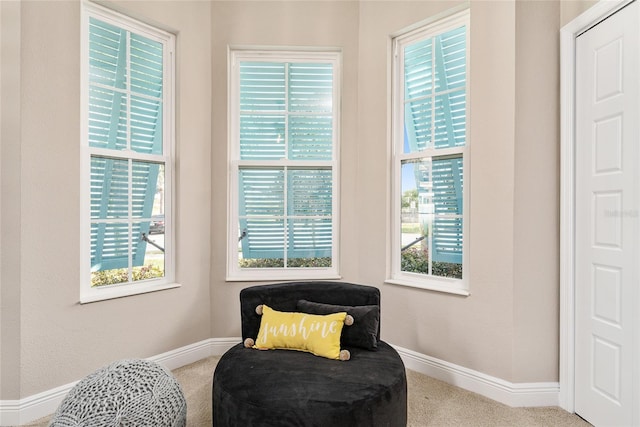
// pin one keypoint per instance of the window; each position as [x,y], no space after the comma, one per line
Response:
[284,112]
[430,161]
[127,156]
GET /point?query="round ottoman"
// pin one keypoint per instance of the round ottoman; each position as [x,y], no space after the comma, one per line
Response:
[280,388]
[125,393]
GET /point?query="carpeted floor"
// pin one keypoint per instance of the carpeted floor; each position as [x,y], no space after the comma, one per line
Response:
[431,403]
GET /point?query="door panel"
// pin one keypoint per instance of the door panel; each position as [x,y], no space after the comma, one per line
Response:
[607,215]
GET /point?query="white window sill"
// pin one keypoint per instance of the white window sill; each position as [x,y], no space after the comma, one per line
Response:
[432,285]
[112,292]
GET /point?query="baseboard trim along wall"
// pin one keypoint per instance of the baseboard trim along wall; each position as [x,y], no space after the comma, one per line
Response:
[511,394]
[18,412]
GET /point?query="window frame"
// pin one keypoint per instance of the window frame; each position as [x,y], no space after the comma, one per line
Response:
[88,293]
[237,54]
[425,30]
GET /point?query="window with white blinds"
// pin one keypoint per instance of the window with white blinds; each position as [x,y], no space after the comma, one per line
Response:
[430,161]
[127,144]
[284,114]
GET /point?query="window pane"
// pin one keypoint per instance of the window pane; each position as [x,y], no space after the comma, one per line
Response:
[144,187]
[418,117]
[262,243]
[262,86]
[447,185]
[262,137]
[110,200]
[450,120]
[447,221]
[109,247]
[311,87]
[109,188]
[310,138]
[261,192]
[159,207]
[310,242]
[107,119]
[451,59]
[107,54]
[110,255]
[148,253]
[146,66]
[146,125]
[428,112]
[418,69]
[447,247]
[415,211]
[310,192]
[431,216]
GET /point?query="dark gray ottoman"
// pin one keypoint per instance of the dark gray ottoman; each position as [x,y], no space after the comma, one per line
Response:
[291,388]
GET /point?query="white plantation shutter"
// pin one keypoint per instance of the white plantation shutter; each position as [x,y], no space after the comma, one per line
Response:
[125,115]
[435,118]
[286,153]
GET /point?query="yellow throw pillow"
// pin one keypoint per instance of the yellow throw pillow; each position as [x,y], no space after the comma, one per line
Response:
[313,333]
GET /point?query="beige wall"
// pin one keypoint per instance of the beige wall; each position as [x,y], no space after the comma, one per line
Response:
[507,327]
[280,23]
[569,9]
[10,245]
[536,248]
[59,340]
[475,331]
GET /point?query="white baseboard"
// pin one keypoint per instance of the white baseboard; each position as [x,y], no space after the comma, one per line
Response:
[186,355]
[23,411]
[511,394]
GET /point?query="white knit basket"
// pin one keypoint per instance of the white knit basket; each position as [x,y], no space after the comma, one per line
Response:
[125,393]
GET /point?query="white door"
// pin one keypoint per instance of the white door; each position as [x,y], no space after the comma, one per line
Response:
[607,245]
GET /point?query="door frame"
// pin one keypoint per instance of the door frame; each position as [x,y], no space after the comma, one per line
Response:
[568,34]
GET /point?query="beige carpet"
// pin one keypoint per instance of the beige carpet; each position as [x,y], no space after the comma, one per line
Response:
[431,403]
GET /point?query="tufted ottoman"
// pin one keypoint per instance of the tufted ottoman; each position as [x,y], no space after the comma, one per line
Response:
[125,393]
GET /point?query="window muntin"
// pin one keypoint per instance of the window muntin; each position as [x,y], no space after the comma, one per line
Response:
[127,155]
[430,156]
[283,162]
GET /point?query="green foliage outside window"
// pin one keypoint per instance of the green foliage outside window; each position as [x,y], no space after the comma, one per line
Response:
[120,275]
[416,260]
[291,262]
